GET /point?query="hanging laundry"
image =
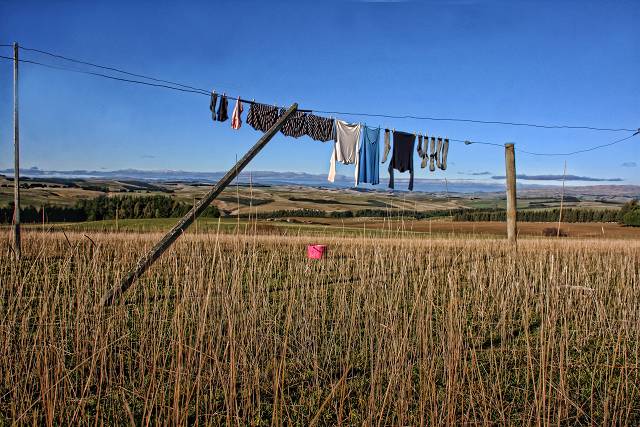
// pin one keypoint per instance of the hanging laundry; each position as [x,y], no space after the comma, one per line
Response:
[295,125]
[223,114]
[262,117]
[345,147]
[422,153]
[432,154]
[368,164]
[236,119]
[443,155]
[319,128]
[439,154]
[402,157]
[387,145]
[212,105]
[425,153]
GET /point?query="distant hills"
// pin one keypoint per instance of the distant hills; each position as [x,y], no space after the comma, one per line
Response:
[342,181]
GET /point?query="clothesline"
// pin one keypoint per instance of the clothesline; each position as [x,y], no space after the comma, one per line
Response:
[187,88]
[363,114]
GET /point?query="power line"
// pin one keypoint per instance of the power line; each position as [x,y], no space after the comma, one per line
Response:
[346,113]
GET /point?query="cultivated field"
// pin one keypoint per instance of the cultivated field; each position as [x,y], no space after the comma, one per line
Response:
[243,329]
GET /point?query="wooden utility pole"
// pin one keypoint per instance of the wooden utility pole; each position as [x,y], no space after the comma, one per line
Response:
[16,158]
[145,262]
[510,161]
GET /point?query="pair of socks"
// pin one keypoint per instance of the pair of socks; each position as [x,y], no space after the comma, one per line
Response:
[423,153]
[438,154]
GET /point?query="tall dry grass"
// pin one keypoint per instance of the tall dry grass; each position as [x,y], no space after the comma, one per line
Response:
[244,330]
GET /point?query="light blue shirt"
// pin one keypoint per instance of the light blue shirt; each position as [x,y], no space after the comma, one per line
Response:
[369,162]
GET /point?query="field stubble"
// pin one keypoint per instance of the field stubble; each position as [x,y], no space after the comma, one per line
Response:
[239,329]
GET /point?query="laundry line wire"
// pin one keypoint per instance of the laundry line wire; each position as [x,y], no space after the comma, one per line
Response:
[57,67]
[444,119]
[362,114]
[617,141]
[191,89]
[204,91]
[179,86]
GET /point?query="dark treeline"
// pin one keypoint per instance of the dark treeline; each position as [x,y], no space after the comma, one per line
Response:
[375,213]
[29,214]
[548,215]
[159,206]
[103,207]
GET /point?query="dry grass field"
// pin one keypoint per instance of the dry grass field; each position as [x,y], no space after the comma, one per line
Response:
[243,329]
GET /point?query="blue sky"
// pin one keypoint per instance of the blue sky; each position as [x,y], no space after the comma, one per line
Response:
[543,62]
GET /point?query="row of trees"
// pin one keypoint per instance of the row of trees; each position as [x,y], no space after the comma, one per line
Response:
[158,206]
[547,215]
[31,214]
[103,207]
[369,213]
[628,215]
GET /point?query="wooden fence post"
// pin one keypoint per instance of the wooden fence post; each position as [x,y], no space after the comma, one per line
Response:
[510,160]
[145,262]
[16,158]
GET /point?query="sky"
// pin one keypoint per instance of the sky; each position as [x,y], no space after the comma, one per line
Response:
[573,63]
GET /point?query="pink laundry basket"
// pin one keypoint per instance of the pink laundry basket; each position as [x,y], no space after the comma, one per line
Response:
[316,251]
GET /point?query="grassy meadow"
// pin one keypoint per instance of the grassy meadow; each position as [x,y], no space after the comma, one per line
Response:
[240,328]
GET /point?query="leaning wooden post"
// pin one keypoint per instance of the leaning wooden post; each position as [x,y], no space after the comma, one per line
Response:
[16,158]
[510,160]
[146,261]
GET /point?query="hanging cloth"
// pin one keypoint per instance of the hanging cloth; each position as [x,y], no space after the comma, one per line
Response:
[236,119]
[439,154]
[425,153]
[319,128]
[387,145]
[345,147]
[402,157]
[368,163]
[223,114]
[445,151]
[212,105]
[261,116]
[432,154]
[295,125]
